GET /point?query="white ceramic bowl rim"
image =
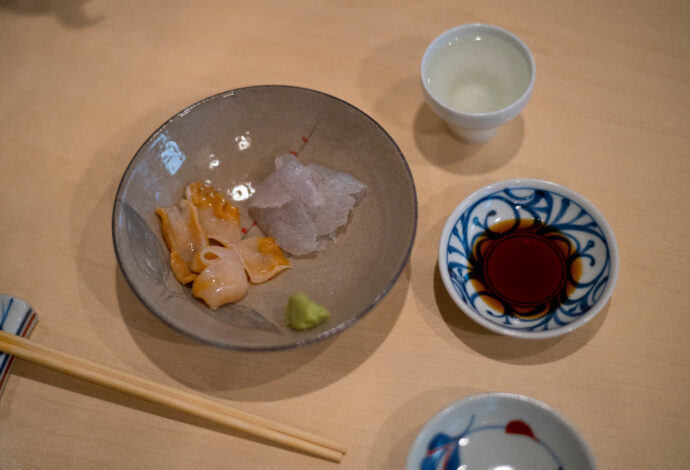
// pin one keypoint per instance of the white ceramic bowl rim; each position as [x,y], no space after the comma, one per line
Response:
[536,184]
[490,116]
[476,400]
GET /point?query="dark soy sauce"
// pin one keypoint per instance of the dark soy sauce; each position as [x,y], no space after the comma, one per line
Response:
[524,268]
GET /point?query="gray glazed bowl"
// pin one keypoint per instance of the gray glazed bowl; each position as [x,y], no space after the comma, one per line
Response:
[230,140]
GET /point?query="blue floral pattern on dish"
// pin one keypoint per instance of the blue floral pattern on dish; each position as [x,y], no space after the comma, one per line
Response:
[546,207]
[445,452]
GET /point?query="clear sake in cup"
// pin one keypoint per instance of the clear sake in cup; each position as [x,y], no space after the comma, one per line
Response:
[476,78]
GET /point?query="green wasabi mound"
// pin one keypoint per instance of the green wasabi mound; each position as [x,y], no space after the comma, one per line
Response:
[303,313]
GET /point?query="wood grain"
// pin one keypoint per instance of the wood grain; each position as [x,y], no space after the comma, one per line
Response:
[83,84]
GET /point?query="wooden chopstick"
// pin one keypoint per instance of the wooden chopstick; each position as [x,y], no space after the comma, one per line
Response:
[186,402]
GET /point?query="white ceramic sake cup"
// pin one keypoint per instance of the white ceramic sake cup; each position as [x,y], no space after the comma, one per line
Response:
[476,78]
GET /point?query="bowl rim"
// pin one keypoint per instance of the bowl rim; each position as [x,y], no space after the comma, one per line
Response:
[117,204]
[505,397]
[538,184]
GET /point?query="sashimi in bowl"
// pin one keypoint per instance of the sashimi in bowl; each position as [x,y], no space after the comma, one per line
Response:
[233,142]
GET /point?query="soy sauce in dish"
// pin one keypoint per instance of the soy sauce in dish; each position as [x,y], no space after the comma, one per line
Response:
[524,267]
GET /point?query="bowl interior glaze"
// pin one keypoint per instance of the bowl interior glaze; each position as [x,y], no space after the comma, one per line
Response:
[231,140]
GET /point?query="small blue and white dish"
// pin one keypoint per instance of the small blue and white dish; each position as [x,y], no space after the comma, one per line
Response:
[528,258]
[499,430]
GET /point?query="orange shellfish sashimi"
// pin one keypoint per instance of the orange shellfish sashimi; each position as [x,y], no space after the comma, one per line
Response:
[223,279]
[184,236]
[219,218]
[262,258]
[204,235]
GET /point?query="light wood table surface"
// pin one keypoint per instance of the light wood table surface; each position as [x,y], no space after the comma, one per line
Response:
[83,84]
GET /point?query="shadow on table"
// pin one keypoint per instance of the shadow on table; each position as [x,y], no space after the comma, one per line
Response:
[52,378]
[440,148]
[397,434]
[258,376]
[506,349]
[397,100]
[70,13]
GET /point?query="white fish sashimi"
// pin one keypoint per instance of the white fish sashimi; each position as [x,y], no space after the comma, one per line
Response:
[342,193]
[340,181]
[301,205]
[291,225]
[290,182]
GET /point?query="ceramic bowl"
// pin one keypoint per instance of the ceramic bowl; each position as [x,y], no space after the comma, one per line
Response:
[476,78]
[499,430]
[231,140]
[590,261]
